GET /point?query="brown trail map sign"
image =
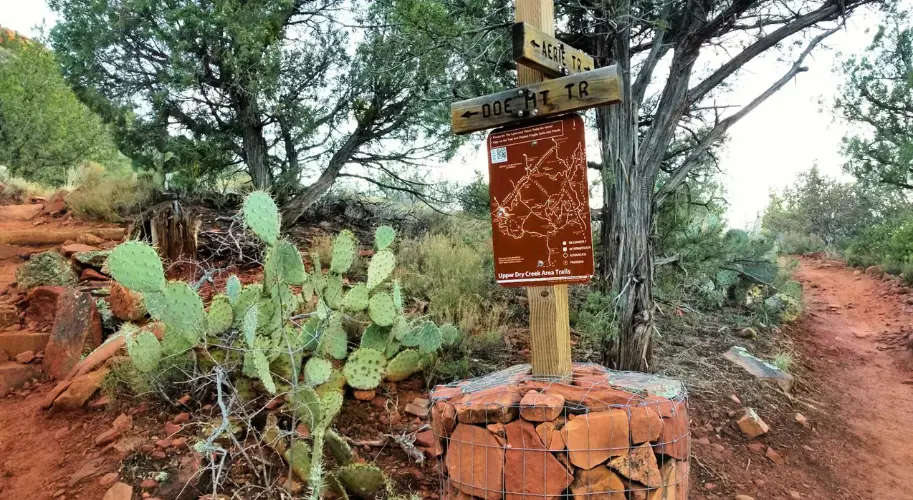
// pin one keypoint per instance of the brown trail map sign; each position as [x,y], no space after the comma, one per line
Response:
[540,208]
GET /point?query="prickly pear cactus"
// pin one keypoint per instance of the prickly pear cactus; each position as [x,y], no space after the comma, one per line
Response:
[330,406]
[381,309]
[317,371]
[232,288]
[306,404]
[144,349]
[137,266]
[356,299]
[364,369]
[298,457]
[375,337]
[262,216]
[383,237]
[343,252]
[337,382]
[380,268]
[362,479]
[334,342]
[283,265]
[220,315]
[403,365]
[340,450]
[427,337]
[450,335]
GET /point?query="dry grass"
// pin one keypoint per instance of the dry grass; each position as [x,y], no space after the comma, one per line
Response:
[19,190]
[108,196]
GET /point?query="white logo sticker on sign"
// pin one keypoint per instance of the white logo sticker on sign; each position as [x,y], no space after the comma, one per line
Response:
[499,155]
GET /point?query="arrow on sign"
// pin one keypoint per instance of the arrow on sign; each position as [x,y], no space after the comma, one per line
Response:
[469,114]
[534,43]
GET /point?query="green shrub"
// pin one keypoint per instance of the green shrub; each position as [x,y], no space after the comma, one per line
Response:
[892,266]
[105,195]
[596,319]
[797,244]
[907,273]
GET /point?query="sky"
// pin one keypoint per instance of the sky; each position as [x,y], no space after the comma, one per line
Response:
[786,135]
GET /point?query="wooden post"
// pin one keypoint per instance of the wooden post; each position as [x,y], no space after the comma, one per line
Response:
[549,324]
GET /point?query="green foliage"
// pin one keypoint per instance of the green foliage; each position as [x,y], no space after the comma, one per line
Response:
[474,198]
[595,319]
[876,99]
[381,267]
[233,288]
[317,371]
[343,252]
[381,309]
[403,365]
[362,479]
[109,194]
[46,130]
[220,315]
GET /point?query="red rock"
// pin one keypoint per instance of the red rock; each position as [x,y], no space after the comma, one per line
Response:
[801,420]
[594,437]
[443,392]
[72,248]
[475,462]
[90,239]
[149,484]
[646,424]
[171,428]
[123,423]
[147,448]
[443,418]
[751,424]
[107,437]
[774,457]
[551,436]
[54,208]
[538,407]
[100,403]
[184,400]
[89,274]
[674,487]
[596,398]
[119,491]
[108,479]
[9,316]
[42,306]
[77,328]
[80,390]
[163,443]
[663,406]
[639,465]
[181,418]
[597,483]
[488,406]
[757,447]
[126,304]
[703,441]
[530,471]
[675,438]
[364,395]
[426,439]
[179,443]
[158,455]
[25,357]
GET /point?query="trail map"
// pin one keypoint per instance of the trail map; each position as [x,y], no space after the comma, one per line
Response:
[540,210]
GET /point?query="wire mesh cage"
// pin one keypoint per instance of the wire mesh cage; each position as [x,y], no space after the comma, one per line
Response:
[597,434]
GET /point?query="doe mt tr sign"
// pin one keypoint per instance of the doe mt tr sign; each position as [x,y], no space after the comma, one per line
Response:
[540,205]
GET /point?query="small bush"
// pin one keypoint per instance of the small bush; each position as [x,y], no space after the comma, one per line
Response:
[784,361]
[19,190]
[893,267]
[596,319]
[107,195]
[907,273]
[797,244]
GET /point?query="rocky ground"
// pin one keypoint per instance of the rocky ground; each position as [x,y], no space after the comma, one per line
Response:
[838,434]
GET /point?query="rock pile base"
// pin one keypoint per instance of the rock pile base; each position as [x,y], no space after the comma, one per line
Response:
[597,434]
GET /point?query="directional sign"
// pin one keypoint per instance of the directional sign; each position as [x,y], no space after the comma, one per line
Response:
[551,97]
[547,54]
[540,204]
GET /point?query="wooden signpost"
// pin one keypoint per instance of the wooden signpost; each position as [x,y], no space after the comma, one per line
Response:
[547,54]
[521,111]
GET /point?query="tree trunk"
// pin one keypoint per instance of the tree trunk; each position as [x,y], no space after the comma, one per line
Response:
[626,219]
[256,154]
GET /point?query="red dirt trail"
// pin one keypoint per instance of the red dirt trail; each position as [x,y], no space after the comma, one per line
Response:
[849,321]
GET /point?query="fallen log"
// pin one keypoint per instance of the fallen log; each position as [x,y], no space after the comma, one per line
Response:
[41,236]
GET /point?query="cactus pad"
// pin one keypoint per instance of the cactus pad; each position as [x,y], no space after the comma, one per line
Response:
[383,237]
[381,267]
[375,337]
[299,459]
[336,383]
[450,335]
[232,288]
[261,365]
[334,342]
[249,325]
[364,369]
[220,314]
[180,308]
[381,309]
[427,337]
[397,294]
[356,299]
[306,404]
[330,406]
[137,266]
[344,248]
[393,347]
[332,294]
[283,265]
[247,298]
[339,448]
[400,328]
[175,342]
[262,216]
[317,371]
[144,350]
[362,479]
[403,365]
